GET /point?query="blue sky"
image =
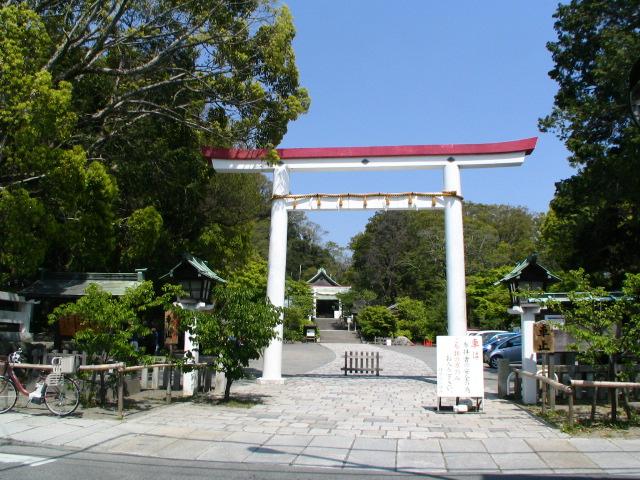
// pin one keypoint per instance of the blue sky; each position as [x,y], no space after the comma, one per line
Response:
[407,72]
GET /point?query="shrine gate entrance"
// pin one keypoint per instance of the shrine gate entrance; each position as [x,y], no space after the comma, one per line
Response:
[449,158]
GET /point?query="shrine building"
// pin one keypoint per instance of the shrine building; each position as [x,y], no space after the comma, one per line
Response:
[326,303]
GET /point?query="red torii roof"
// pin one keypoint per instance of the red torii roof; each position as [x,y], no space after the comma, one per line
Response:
[526,145]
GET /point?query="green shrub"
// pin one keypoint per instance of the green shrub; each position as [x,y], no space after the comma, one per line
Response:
[376,322]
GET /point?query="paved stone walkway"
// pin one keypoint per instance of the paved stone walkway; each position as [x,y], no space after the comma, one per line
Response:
[324,419]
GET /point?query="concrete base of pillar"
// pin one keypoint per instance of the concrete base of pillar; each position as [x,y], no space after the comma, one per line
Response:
[220,382]
[189,381]
[270,381]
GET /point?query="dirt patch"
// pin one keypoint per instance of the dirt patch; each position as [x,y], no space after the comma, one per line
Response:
[601,426]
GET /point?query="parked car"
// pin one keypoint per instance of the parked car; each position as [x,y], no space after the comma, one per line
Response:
[497,336]
[509,348]
[489,346]
[485,334]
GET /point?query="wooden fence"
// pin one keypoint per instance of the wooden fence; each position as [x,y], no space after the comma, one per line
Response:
[362,362]
[550,387]
[548,383]
[613,388]
[120,369]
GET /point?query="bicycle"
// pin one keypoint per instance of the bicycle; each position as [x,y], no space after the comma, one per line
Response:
[59,393]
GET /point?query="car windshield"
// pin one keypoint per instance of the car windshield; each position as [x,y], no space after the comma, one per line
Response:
[498,338]
[509,342]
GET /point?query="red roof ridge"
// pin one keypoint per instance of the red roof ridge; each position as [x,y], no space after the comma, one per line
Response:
[526,145]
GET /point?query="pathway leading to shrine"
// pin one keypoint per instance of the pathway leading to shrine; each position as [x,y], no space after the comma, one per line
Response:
[323,419]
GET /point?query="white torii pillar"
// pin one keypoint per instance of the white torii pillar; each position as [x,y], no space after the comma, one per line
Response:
[272,357]
[451,158]
[454,248]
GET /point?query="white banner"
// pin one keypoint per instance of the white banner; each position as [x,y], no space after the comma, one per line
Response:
[460,369]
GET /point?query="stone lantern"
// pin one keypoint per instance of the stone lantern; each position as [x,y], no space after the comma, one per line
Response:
[196,279]
[527,276]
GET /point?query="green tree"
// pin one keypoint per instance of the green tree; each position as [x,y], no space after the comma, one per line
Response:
[236,331]
[253,277]
[376,322]
[403,253]
[299,307]
[140,87]
[355,299]
[109,324]
[606,328]
[65,199]
[412,319]
[222,67]
[594,220]
[487,303]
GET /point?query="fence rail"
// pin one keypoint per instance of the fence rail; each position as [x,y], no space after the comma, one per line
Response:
[121,370]
[547,382]
[613,394]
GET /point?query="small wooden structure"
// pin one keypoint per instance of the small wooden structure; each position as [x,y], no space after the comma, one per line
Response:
[362,362]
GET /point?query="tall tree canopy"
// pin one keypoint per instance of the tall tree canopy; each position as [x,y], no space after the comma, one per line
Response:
[594,220]
[402,254]
[103,110]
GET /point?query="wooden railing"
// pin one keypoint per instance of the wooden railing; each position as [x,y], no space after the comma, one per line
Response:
[613,394]
[120,369]
[548,383]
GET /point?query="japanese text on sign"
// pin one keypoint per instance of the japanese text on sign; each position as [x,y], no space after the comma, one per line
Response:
[460,372]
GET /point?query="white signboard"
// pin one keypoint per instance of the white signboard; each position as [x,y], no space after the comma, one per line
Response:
[460,372]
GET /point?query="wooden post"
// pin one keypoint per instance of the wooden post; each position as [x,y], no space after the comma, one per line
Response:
[594,403]
[552,396]
[544,396]
[377,364]
[345,363]
[625,403]
[571,409]
[120,373]
[613,393]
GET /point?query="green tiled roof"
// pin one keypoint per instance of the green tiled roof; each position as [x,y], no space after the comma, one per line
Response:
[74,285]
[322,278]
[530,261]
[200,265]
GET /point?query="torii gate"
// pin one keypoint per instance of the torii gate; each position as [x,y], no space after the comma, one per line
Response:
[451,158]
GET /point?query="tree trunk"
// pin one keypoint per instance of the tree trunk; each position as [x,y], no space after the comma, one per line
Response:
[227,389]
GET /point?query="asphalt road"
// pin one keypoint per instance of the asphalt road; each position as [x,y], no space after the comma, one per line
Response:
[43,463]
[298,358]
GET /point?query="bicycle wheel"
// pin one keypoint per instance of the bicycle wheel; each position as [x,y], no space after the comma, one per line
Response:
[63,398]
[8,394]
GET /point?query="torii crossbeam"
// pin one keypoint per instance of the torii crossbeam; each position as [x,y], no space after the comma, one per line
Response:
[451,158]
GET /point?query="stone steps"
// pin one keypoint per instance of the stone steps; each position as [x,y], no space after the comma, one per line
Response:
[332,332]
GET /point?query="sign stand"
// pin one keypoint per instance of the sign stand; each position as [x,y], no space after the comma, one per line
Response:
[460,371]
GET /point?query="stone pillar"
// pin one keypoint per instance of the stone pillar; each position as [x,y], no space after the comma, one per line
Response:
[528,312]
[454,239]
[529,357]
[189,379]
[272,357]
